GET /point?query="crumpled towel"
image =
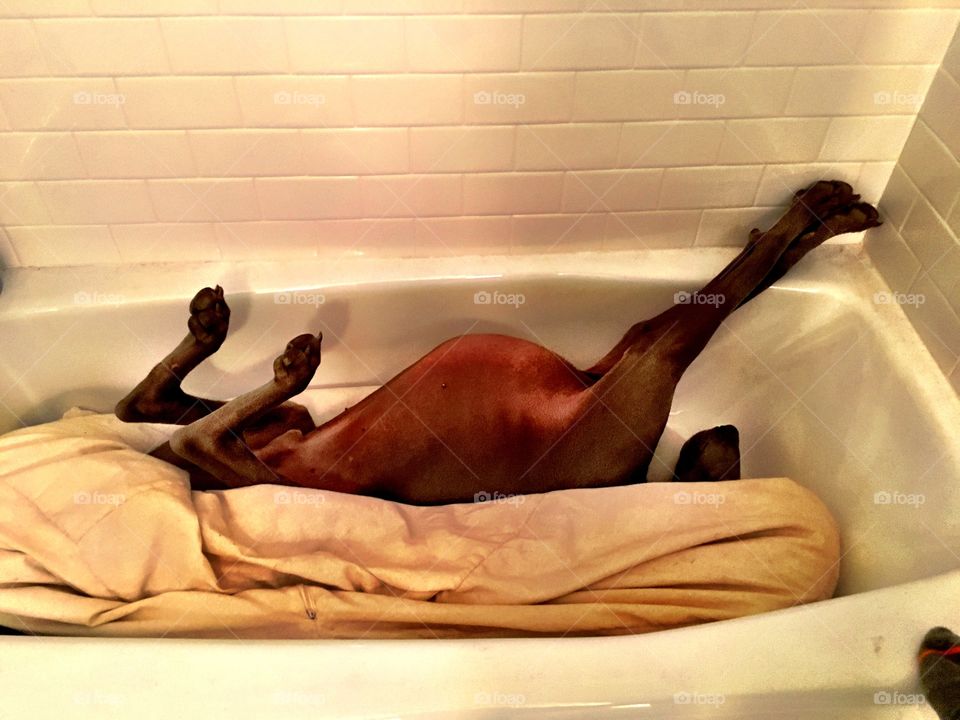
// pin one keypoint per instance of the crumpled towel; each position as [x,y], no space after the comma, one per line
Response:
[98,538]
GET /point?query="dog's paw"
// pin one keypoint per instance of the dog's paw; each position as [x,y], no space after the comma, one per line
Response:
[939,662]
[853,218]
[295,367]
[209,318]
[824,196]
[939,639]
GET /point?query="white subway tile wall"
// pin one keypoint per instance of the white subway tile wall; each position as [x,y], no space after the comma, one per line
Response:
[247,129]
[918,248]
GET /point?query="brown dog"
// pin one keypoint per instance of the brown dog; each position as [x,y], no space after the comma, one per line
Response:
[480,413]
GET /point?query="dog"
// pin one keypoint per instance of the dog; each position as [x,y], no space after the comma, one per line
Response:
[479,412]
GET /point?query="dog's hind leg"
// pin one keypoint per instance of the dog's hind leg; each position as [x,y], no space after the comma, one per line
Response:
[710,455]
[852,218]
[849,216]
[626,409]
[159,397]
[215,443]
[806,210]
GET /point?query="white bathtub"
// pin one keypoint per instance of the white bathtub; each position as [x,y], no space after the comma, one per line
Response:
[826,386]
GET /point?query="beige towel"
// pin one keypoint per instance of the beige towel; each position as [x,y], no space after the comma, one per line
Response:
[97,538]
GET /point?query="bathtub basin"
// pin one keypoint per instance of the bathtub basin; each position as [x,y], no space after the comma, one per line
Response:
[826,385]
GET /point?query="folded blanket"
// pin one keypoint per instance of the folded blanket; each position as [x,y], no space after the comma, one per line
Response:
[98,538]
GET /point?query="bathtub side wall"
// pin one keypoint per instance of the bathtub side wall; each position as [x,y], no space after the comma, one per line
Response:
[918,248]
[231,129]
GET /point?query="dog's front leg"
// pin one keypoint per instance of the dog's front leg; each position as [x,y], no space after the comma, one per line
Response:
[158,397]
[215,442]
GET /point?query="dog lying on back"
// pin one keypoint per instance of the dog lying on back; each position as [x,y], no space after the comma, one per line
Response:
[479,411]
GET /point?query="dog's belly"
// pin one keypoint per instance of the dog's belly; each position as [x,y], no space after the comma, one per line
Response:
[477,414]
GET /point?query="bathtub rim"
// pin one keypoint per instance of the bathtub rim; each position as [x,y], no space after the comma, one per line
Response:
[885,626]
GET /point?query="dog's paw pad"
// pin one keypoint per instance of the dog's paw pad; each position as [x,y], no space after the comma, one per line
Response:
[853,218]
[209,317]
[299,361]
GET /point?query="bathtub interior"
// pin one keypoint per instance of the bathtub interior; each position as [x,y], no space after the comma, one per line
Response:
[825,385]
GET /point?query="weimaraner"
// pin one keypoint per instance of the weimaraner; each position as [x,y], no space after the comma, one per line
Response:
[480,413]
